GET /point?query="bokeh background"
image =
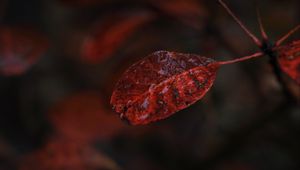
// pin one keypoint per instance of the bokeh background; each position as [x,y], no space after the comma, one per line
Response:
[60,59]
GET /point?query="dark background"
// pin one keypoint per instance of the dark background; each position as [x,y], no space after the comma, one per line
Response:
[243,123]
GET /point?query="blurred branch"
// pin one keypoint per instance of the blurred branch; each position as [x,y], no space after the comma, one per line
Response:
[278,74]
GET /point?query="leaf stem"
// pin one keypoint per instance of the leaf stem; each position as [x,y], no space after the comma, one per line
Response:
[255,55]
[247,31]
[281,40]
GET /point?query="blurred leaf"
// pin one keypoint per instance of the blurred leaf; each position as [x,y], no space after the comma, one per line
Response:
[68,155]
[83,116]
[190,12]
[110,33]
[20,48]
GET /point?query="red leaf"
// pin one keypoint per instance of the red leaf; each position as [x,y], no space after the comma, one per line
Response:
[19,49]
[289,60]
[84,117]
[108,35]
[162,84]
[66,154]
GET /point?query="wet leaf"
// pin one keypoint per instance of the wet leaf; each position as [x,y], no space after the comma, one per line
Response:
[20,48]
[110,33]
[84,117]
[67,154]
[162,84]
[289,60]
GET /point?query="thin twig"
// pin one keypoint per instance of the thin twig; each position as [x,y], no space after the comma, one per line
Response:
[258,54]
